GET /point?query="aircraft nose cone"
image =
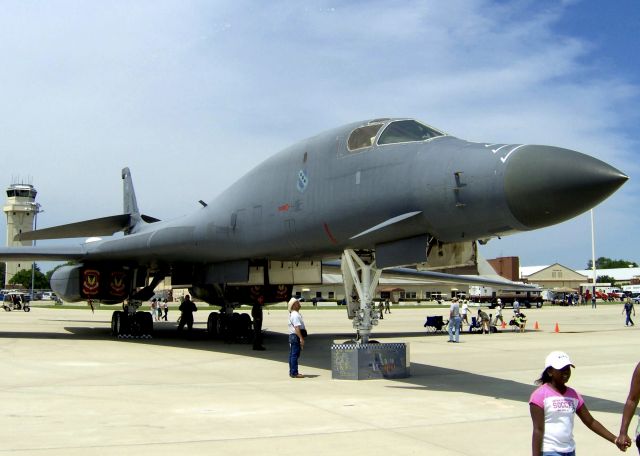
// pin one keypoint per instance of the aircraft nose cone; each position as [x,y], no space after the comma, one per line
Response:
[546,185]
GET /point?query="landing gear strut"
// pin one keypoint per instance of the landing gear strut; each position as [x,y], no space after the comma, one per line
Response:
[359,271]
[131,324]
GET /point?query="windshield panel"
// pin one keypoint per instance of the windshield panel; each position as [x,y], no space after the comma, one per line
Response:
[363,137]
[403,131]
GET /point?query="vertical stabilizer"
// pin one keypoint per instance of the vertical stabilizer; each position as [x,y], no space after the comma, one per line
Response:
[130,203]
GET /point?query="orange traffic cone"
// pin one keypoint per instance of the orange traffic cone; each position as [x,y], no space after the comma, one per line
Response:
[503,325]
[557,328]
[536,327]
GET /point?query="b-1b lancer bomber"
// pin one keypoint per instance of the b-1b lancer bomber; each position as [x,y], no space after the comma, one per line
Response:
[385,194]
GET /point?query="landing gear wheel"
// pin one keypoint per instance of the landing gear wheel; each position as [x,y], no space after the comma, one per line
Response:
[245,326]
[146,320]
[212,324]
[115,323]
[222,326]
[120,325]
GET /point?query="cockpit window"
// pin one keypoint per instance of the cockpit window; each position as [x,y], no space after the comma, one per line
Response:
[403,131]
[363,137]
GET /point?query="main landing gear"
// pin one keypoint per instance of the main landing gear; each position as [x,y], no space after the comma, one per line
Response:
[229,325]
[129,323]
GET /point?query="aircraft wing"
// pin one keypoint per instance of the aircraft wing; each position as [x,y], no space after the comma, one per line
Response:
[442,277]
[104,226]
[492,280]
[62,253]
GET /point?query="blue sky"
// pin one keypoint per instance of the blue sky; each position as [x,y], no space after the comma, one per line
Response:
[191,94]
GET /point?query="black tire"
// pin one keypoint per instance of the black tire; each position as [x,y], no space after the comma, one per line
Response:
[115,322]
[223,325]
[235,325]
[539,305]
[147,323]
[120,325]
[245,325]
[141,325]
[212,325]
[27,308]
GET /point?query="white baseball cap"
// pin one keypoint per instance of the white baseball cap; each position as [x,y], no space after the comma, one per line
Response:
[557,360]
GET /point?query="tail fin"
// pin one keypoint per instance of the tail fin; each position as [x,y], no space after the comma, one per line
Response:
[129,221]
[129,201]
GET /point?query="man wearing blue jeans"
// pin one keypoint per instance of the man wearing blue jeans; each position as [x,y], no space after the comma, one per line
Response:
[296,337]
[454,321]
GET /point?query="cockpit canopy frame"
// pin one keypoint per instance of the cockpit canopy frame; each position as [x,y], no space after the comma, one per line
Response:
[383,132]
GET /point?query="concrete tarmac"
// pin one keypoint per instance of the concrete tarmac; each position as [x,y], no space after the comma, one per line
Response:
[68,388]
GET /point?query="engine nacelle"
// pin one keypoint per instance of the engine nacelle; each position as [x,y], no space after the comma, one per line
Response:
[80,283]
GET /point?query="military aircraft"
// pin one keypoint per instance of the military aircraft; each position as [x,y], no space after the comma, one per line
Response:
[381,194]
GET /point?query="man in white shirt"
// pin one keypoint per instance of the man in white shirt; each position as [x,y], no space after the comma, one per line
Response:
[454,321]
[297,333]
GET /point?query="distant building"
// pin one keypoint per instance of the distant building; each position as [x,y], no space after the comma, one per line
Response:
[553,277]
[507,267]
[20,210]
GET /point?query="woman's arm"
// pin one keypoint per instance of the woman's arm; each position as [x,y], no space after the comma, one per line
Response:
[537,417]
[630,407]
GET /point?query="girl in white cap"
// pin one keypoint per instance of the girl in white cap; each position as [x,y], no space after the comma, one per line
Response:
[553,405]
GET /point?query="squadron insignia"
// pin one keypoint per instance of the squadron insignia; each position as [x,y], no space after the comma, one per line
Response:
[303,181]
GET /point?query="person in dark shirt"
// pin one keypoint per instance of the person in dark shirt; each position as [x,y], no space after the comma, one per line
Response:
[256,314]
[186,313]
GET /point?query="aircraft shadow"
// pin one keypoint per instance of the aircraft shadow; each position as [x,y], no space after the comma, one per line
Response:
[317,354]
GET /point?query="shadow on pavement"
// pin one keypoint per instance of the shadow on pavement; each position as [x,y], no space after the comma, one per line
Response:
[318,355]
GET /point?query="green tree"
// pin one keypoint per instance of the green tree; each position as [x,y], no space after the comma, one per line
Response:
[608,263]
[23,277]
[606,279]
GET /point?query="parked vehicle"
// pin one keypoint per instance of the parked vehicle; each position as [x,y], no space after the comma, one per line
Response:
[16,301]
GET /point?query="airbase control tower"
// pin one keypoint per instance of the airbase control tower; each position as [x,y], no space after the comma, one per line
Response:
[20,209]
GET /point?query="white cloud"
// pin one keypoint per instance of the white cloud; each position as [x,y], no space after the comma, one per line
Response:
[190,94]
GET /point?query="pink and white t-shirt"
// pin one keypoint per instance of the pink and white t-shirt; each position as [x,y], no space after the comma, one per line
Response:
[559,410]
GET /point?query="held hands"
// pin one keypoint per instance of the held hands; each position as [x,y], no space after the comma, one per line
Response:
[623,442]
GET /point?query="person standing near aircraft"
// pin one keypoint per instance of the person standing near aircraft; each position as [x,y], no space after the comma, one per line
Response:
[454,321]
[297,334]
[154,309]
[483,318]
[256,314]
[186,313]
[165,307]
[498,316]
[552,406]
[624,441]
[464,311]
[628,308]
